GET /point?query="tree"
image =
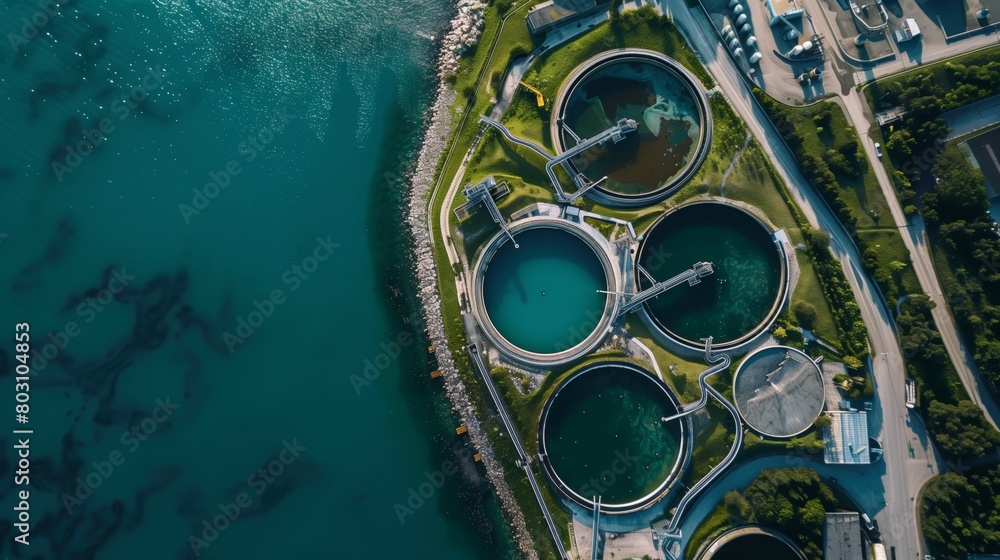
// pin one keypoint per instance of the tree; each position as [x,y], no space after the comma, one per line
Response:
[616,12]
[961,430]
[961,192]
[900,146]
[823,421]
[852,362]
[780,334]
[840,165]
[850,151]
[503,6]
[988,359]
[819,241]
[805,314]
[958,516]
[794,501]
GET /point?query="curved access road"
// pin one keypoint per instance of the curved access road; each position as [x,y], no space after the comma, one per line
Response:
[915,238]
[966,120]
[910,460]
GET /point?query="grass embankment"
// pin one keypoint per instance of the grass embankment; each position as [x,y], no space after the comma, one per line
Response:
[639,29]
[831,158]
[680,373]
[491,56]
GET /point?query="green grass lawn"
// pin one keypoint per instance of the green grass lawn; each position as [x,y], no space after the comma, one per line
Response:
[712,443]
[684,377]
[714,525]
[889,246]
[554,66]
[863,193]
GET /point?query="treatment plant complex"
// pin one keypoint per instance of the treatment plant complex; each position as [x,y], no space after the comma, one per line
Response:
[638,286]
[551,292]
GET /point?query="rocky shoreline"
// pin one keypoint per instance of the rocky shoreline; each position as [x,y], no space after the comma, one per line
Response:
[465,30]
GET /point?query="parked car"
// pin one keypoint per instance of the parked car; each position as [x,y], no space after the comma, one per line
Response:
[878,150]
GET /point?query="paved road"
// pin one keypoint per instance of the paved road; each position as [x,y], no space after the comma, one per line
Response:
[913,233]
[915,239]
[909,459]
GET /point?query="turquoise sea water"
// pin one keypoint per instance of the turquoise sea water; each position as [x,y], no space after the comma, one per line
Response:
[225,273]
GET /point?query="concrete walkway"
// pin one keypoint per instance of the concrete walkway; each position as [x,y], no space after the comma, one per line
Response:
[518,69]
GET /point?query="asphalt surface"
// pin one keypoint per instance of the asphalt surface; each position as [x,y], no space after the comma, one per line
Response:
[915,238]
[909,459]
[973,117]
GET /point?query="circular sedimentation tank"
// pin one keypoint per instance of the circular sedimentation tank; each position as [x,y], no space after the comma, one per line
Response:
[667,103]
[739,300]
[752,542]
[543,300]
[779,391]
[601,434]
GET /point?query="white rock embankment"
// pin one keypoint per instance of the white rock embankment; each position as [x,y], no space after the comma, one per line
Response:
[466,27]
[465,30]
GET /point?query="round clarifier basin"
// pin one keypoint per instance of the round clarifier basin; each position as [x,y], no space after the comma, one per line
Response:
[779,391]
[755,545]
[669,108]
[544,294]
[739,299]
[601,434]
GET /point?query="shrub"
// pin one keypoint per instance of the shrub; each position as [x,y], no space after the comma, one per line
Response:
[805,314]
